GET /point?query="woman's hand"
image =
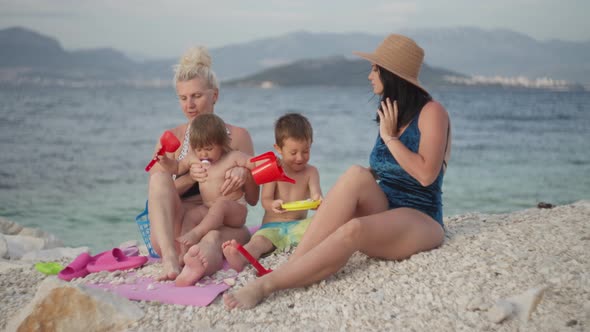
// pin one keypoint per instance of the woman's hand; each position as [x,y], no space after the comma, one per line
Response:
[276,206]
[198,173]
[388,120]
[167,163]
[235,178]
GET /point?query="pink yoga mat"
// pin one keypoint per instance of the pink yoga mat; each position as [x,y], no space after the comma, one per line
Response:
[166,292]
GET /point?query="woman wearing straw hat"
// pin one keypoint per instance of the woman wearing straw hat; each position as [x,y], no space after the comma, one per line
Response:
[174,203]
[391,210]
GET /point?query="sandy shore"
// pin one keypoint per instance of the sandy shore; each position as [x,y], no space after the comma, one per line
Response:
[485,258]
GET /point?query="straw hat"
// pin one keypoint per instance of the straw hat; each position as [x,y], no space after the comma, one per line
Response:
[400,55]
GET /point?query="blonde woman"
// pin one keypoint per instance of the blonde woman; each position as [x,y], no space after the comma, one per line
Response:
[174,201]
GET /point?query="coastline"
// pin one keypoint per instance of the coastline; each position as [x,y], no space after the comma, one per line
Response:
[485,258]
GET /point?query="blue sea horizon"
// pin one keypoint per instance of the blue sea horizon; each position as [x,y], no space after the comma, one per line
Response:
[72,159]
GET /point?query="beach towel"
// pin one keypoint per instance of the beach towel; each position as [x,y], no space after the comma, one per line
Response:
[148,289]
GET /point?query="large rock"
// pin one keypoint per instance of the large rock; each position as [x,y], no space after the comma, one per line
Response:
[3,247]
[60,306]
[19,245]
[47,255]
[16,241]
[521,306]
[51,241]
[9,227]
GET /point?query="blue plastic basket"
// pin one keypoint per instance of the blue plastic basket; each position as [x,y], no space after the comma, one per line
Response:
[143,222]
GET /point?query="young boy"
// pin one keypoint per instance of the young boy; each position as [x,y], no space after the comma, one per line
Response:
[209,142]
[282,229]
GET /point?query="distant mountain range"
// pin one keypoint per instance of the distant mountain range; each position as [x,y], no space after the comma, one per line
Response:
[330,71]
[471,51]
[27,56]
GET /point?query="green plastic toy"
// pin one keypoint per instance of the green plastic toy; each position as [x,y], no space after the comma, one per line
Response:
[49,268]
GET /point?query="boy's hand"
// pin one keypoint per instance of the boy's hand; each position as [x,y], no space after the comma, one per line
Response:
[276,206]
[318,198]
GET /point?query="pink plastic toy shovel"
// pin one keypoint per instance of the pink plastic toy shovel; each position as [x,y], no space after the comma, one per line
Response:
[169,143]
[268,171]
[261,270]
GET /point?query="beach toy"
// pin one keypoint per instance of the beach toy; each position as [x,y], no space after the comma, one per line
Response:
[169,143]
[306,204]
[268,171]
[261,270]
[143,222]
[49,268]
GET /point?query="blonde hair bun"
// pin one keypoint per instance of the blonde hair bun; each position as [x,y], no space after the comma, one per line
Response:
[196,63]
[196,57]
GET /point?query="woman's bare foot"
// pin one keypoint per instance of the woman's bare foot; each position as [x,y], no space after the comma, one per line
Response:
[189,238]
[234,258]
[171,268]
[246,297]
[195,265]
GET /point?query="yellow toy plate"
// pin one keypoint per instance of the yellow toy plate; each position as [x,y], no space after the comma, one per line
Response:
[301,205]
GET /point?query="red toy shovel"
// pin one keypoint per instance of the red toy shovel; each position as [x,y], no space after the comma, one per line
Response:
[169,143]
[261,270]
[269,171]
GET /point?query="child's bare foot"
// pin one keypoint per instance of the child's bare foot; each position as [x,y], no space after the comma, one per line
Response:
[189,239]
[246,297]
[171,268]
[195,265]
[234,258]
[182,250]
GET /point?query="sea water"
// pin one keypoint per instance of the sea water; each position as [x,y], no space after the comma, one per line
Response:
[72,159]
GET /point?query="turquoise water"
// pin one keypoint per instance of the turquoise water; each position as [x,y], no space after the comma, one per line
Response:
[72,159]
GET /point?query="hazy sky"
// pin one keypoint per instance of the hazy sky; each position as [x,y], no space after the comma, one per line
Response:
[166,28]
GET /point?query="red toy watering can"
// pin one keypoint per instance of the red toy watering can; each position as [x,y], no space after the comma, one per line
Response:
[269,171]
[169,143]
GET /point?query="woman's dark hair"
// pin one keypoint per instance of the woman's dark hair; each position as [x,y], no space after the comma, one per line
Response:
[410,98]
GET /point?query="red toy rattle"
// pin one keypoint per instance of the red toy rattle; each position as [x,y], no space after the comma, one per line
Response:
[169,143]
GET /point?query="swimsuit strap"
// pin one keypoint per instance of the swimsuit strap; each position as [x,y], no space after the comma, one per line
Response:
[185,143]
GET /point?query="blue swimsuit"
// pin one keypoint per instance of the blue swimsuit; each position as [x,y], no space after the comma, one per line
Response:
[401,189]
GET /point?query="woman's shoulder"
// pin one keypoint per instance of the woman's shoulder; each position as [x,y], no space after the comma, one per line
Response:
[433,109]
[241,139]
[179,130]
[237,131]
[434,106]
[433,112]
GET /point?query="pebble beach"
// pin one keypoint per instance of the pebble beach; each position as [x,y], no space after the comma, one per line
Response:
[523,271]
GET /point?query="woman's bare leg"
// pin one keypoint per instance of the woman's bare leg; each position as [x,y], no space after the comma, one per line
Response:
[228,213]
[355,194]
[165,214]
[394,234]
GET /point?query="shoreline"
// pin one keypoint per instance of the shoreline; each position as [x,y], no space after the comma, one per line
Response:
[485,258]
